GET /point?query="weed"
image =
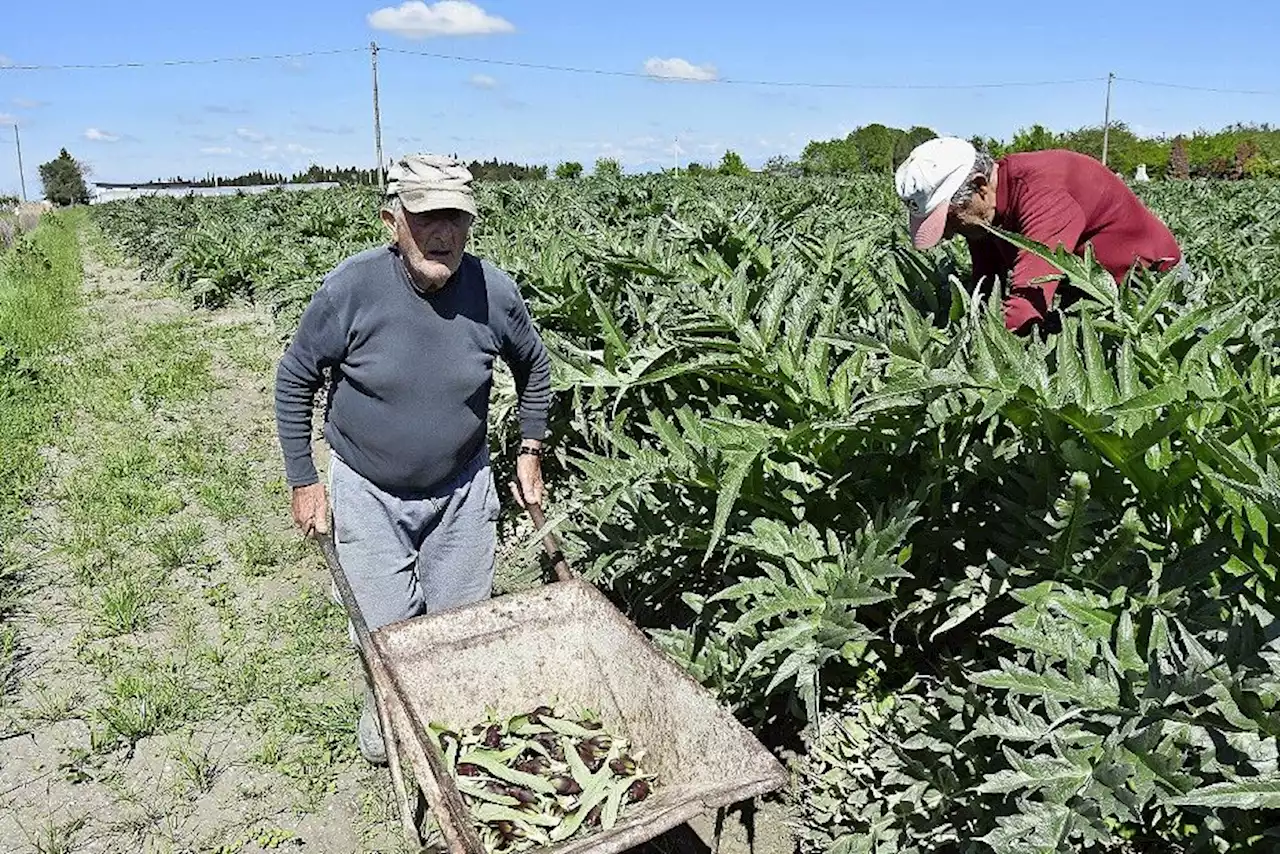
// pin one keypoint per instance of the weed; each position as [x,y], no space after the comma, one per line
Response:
[177,547]
[259,553]
[8,658]
[143,701]
[54,837]
[271,753]
[226,482]
[198,768]
[81,765]
[124,607]
[52,704]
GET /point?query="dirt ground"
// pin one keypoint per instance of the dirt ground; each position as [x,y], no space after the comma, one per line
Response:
[185,682]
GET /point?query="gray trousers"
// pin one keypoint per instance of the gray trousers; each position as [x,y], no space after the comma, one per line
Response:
[409,555]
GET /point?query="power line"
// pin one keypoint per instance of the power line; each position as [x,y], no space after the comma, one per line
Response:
[604,72]
[172,62]
[736,81]
[1200,88]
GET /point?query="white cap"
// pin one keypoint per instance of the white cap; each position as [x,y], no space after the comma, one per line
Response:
[927,180]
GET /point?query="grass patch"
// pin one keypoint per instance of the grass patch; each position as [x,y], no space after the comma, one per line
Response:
[50,704]
[124,607]
[39,291]
[56,837]
[151,696]
[179,547]
[40,277]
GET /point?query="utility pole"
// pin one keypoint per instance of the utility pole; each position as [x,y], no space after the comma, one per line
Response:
[22,179]
[377,115]
[1106,119]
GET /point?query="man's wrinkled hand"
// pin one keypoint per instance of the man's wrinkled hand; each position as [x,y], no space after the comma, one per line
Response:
[528,487]
[310,506]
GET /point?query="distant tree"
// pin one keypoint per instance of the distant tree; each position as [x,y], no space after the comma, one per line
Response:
[874,148]
[1034,138]
[875,144]
[569,170]
[907,142]
[783,167]
[63,180]
[696,169]
[607,167]
[494,170]
[1246,152]
[991,145]
[1179,163]
[733,164]
[830,157]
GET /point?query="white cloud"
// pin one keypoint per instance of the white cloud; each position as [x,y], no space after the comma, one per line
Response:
[251,135]
[29,103]
[7,119]
[295,148]
[5,62]
[220,150]
[483,81]
[415,19]
[679,69]
[97,135]
[341,130]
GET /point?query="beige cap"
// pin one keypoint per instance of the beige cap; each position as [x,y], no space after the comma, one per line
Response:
[431,182]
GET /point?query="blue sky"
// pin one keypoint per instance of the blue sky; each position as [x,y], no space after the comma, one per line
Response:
[140,123]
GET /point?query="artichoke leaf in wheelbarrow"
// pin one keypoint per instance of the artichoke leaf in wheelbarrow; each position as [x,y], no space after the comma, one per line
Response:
[542,777]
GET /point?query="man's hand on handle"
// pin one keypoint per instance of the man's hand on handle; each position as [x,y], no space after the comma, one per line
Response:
[310,506]
[528,486]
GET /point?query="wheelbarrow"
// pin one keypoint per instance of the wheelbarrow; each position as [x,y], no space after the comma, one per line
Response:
[561,643]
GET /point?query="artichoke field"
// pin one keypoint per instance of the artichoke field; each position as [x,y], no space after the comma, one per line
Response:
[1000,594]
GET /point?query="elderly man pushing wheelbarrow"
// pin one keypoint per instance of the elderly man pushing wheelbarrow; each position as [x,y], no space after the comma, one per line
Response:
[409,332]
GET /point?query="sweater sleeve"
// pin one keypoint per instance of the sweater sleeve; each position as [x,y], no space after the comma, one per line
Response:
[319,343]
[1051,217]
[526,355]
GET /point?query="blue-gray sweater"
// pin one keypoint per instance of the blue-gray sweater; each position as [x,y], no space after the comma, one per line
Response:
[411,373]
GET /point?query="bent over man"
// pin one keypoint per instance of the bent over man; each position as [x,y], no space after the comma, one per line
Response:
[1058,198]
[409,332]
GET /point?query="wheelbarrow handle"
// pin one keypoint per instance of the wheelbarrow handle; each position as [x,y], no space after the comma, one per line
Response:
[549,544]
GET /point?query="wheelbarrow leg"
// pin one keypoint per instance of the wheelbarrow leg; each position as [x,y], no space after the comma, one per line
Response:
[410,808]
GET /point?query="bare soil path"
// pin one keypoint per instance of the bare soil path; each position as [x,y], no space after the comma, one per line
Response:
[184,683]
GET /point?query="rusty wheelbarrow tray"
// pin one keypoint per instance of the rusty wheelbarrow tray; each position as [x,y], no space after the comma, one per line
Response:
[560,643]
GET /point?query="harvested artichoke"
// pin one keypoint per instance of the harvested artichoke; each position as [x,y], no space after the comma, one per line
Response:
[542,777]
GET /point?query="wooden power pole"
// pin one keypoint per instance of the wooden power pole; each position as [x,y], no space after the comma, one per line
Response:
[1106,119]
[377,114]
[22,179]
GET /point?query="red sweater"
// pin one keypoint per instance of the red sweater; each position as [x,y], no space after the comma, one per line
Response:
[1061,198]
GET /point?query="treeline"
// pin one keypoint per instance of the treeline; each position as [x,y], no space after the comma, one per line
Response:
[494,170]
[1238,151]
[313,175]
[483,170]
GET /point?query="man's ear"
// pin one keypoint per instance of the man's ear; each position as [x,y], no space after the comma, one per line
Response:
[389,220]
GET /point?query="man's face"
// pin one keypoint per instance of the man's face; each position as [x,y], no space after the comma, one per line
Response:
[431,243]
[968,219]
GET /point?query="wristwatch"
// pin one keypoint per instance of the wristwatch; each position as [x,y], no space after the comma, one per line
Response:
[530,451]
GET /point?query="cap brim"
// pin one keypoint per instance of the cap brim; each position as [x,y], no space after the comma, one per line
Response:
[927,230]
[421,201]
